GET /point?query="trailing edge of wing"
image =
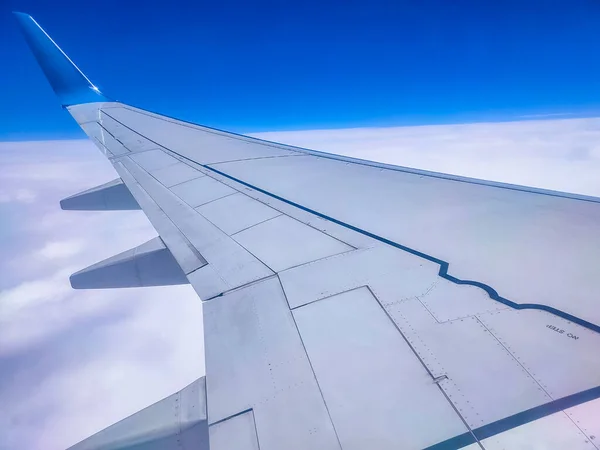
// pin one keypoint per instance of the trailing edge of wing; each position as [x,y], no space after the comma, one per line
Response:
[68,82]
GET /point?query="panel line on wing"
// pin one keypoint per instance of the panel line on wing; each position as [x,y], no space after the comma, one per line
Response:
[134,152]
[533,377]
[251,226]
[230,417]
[252,159]
[193,163]
[187,256]
[443,272]
[310,364]
[444,265]
[112,135]
[214,200]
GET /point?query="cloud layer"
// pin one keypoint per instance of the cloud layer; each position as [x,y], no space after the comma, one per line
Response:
[73,362]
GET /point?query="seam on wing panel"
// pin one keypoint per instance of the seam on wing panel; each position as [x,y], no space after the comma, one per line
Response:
[214,200]
[238,288]
[252,226]
[145,198]
[202,175]
[255,225]
[362,286]
[162,195]
[137,152]
[241,413]
[187,161]
[310,364]
[420,359]
[513,356]
[230,417]
[113,136]
[321,259]
[251,159]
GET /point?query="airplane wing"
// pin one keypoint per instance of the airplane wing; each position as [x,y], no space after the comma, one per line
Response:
[347,304]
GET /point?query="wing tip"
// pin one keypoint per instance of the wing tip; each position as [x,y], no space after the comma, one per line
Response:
[67,80]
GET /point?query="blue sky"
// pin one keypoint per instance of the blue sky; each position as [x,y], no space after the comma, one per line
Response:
[277,65]
[260,68]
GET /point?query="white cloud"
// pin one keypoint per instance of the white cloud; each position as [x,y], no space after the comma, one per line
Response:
[18,195]
[61,249]
[52,288]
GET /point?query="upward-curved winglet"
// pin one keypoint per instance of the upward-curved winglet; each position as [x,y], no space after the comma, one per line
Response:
[69,83]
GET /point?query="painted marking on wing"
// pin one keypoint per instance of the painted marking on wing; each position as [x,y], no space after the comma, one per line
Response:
[444,265]
[521,418]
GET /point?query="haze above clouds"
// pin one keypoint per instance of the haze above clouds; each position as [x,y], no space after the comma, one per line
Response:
[73,362]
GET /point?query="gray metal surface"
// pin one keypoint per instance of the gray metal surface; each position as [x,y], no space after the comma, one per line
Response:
[486,383]
[175,174]
[232,263]
[393,275]
[553,432]
[177,422]
[205,147]
[183,251]
[255,360]
[237,433]
[283,242]
[450,301]
[234,213]
[377,392]
[111,196]
[154,159]
[106,141]
[201,190]
[556,352]
[585,417]
[132,141]
[149,264]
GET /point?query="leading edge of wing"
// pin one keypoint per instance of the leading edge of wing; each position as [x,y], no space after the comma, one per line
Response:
[68,82]
[73,87]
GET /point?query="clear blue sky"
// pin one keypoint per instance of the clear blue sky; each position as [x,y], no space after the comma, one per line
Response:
[251,66]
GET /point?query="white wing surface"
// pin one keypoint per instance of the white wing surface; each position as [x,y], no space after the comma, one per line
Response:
[350,304]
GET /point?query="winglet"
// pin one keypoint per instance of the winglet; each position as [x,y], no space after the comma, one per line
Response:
[69,83]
